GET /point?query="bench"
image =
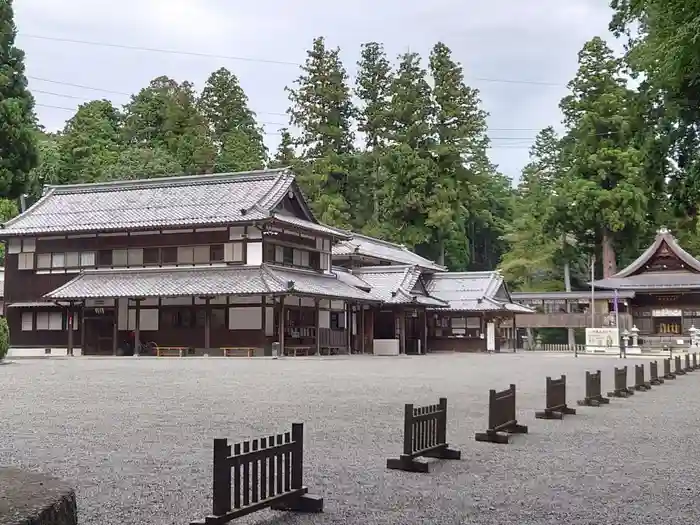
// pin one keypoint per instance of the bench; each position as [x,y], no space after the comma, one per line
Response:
[238,351]
[171,351]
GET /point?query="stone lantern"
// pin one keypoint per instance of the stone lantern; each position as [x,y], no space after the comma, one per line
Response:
[634,346]
[693,336]
[626,338]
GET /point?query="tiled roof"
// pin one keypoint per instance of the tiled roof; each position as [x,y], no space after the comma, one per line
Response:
[199,200]
[394,284]
[169,282]
[652,280]
[662,236]
[204,281]
[321,285]
[353,280]
[586,294]
[471,291]
[361,245]
[285,219]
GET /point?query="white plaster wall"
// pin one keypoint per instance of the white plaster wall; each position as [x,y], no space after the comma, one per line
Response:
[324,319]
[254,257]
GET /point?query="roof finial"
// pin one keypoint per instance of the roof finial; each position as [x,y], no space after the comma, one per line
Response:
[662,231]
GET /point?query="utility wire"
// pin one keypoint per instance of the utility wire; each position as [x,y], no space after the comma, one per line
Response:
[247,59]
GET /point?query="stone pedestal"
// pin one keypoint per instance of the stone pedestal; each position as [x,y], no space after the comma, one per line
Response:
[36,499]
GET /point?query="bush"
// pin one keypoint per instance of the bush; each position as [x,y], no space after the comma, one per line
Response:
[4,338]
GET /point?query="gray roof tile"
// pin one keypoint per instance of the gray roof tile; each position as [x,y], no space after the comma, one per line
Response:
[168,282]
[161,202]
[361,245]
[394,284]
[308,225]
[652,280]
[662,236]
[321,285]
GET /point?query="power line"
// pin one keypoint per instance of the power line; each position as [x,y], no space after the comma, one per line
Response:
[248,59]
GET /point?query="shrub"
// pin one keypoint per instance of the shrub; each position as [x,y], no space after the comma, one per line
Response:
[4,338]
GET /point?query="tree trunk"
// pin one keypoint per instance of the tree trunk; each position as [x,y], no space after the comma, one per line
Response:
[571,339]
[441,252]
[609,262]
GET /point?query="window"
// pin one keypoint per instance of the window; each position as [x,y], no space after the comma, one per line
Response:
[216,253]
[120,257]
[42,320]
[287,255]
[27,321]
[279,254]
[58,260]
[151,256]
[233,252]
[104,258]
[201,254]
[269,255]
[296,257]
[72,259]
[25,261]
[315,260]
[43,260]
[29,245]
[87,259]
[55,321]
[337,320]
[185,255]
[169,255]
[135,256]
[14,246]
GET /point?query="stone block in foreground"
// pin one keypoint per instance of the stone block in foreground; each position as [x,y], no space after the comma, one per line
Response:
[28,498]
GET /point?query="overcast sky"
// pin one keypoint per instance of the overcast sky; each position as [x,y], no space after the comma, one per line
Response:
[533,43]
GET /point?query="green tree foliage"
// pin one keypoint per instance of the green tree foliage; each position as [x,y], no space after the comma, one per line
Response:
[49,167]
[239,138]
[18,148]
[165,115]
[601,199]
[4,338]
[8,209]
[373,84]
[285,156]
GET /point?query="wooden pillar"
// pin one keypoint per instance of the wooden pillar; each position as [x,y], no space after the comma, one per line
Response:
[137,326]
[348,327]
[115,329]
[317,307]
[402,331]
[82,329]
[207,323]
[361,328]
[263,316]
[69,322]
[281,324]
[424,341]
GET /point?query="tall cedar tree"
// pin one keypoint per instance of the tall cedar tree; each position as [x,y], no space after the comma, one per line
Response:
[285,156]
[18,143]
[165,115]
[529,262]
[321,107]
[602,199]
[407,166]
[235,130]
[663,48]
[322,110]
[459,151]
[372,88]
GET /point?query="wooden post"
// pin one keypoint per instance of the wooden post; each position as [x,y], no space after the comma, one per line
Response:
[361,328]
[69,321]
[115,329]
[222,478]
[402,331]
[297,455]
[207,323]
[424,338]
[263,316]
[82,329]
[348,327]
[317,307]
[281,325]
[137,326]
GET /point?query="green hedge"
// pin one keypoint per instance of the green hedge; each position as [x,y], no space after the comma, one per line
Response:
[4,338]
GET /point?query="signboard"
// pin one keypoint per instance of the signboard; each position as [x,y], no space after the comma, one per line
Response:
[603,340]
[491,337]
[666,312]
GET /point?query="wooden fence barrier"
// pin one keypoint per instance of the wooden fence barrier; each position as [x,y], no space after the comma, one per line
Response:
[502,418]
[639,382]
[667,369]
[620,384]
[654,378]
[267,473]
[688,367]
[695,361]
[594,391]
[555,400]
[679,367]
[424,435]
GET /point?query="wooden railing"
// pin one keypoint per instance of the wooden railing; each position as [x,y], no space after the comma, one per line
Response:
[557,347]
[564,320]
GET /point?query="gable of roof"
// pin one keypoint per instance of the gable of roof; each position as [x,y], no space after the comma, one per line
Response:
[473,291]
[395,284]
[663,239]
[193,200]
[364,246]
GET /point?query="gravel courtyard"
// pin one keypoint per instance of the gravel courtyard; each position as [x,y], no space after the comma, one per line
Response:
[135,437]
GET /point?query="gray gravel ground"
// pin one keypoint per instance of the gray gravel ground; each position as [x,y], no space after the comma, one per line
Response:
[135,436]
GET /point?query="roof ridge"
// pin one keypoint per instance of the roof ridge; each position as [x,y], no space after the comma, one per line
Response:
[168,180]
[48,191]
[379,268]
[284,181]
[393,244]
